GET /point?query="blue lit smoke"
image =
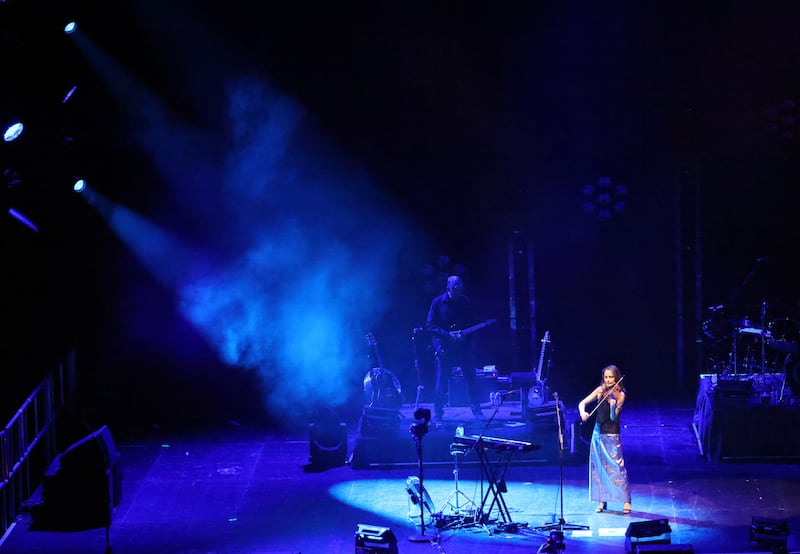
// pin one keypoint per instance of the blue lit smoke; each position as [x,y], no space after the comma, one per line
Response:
[293,309]
[292,252]
[315,255]
[279,251]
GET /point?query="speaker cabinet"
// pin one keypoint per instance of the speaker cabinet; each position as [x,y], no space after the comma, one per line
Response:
[82,486]
[327,444]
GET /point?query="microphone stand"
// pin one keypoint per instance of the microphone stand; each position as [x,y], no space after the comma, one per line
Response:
[420,387]
[562,524]
[746,279]
[763,335]
[418,429]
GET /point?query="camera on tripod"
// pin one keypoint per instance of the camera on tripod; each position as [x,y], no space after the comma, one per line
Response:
[420,427]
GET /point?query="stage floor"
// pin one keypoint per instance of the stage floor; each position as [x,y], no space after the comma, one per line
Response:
[240,490]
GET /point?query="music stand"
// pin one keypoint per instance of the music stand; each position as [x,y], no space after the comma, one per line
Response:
[562,524]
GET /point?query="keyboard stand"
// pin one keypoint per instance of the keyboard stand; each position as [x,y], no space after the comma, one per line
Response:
[494,474]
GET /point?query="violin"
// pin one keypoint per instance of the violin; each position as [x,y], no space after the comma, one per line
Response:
[615,388]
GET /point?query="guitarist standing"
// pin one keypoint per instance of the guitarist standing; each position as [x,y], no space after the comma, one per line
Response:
[449,313]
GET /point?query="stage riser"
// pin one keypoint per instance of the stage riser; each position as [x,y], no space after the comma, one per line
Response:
[734,420]
[388,441]
[756,432]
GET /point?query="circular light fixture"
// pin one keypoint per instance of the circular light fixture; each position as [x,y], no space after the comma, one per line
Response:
[604,198]
[13,131]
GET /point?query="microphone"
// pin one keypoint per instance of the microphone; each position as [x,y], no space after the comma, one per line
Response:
[762,259]
[507,393]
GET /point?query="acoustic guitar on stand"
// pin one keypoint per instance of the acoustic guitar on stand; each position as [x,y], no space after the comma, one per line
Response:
[381,387]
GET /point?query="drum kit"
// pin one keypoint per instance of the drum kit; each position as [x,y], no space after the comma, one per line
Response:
[742,347]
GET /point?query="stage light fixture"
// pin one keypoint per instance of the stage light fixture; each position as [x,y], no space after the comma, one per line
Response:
[371,539]
[19,216]
[769,534]
[604,198]
[70,27]
[69,94]
[79,185]
[12,131]
[554,543]
[11,178]
[784,118]
[657,531]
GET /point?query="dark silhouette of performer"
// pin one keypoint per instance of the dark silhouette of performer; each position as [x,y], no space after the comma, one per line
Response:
[450,312]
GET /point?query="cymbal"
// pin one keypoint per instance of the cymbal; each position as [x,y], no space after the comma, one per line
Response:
[754,309]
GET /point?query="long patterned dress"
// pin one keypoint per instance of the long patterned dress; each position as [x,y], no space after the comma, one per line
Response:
[608,477]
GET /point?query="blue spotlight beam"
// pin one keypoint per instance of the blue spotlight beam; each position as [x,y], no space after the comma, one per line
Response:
[19,216]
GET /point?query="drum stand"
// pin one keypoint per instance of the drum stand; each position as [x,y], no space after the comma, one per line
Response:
[454,500]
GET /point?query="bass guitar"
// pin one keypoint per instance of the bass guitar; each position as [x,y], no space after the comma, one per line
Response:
[460,333]
[476,327]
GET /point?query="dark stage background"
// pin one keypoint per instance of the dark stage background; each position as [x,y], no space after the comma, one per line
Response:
[326,165]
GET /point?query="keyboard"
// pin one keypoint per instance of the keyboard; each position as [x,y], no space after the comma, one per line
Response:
[495,443]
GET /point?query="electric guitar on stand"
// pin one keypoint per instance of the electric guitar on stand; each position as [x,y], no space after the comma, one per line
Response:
[537,395]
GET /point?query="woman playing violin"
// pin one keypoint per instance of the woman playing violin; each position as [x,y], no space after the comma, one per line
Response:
[608,477]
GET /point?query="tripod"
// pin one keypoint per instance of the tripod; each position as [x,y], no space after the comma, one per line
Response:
[454,500]
[562,524]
